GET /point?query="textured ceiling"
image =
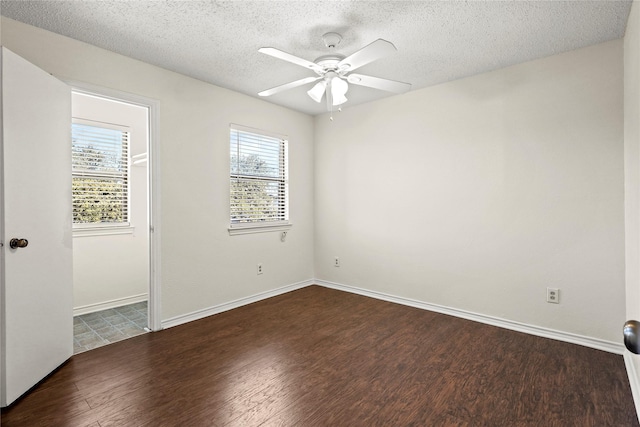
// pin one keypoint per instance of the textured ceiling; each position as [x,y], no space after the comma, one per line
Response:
[437,41]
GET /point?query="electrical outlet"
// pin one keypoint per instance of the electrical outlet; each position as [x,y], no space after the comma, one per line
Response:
[336,262]
[259,268]
[553,295]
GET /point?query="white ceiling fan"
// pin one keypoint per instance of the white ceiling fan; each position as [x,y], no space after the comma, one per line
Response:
[334,71]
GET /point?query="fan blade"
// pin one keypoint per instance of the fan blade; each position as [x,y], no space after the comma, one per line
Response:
[376,50]
[287,86]
[378,83]
[277,53]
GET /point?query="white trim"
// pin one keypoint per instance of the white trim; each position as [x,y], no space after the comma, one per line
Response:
[596,343]
[96,123]
[241,128]
[634,381]
[118,302]
[3,356]
[609,346]
[153,107]
[153,162]
[102,231]
[138,159]
[205,312]
[258,228]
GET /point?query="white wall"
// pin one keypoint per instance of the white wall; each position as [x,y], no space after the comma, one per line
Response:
[632,179]
[480,193]
[475,194]
[202,266]
[113,270]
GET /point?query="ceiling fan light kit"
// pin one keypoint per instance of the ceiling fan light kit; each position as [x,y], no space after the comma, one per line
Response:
[335,71]
[317,91]
[339,89]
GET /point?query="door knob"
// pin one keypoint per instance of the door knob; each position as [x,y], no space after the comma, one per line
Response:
[18,243]
[631,332]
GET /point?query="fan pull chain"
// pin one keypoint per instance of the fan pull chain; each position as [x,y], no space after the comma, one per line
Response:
[329,100]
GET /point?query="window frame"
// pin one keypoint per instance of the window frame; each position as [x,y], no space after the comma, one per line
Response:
[261,225]
[105,228]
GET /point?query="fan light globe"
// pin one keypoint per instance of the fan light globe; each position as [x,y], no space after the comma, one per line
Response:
[338,90]
[317,91]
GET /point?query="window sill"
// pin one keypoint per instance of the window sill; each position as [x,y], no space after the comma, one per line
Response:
[258,228]
[102,231]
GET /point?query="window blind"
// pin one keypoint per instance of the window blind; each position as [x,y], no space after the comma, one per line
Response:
[259,185]
[100,175]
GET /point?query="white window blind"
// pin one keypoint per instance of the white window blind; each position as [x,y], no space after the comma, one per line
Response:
[259,185]
[100,174]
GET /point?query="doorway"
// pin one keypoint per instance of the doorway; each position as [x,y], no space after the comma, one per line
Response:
[111,215]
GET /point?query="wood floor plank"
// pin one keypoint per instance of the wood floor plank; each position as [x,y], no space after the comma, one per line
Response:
[319,357]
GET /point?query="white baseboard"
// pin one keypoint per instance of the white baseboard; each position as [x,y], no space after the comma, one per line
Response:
[596,343]
[199,314]
[119,302]
[609,346]
[634,381]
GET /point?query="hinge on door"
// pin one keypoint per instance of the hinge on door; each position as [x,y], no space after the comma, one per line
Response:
[151,229]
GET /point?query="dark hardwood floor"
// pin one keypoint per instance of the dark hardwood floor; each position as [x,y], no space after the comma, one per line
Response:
[320,357]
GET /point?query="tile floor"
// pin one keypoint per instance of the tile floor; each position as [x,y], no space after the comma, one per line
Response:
[108,326]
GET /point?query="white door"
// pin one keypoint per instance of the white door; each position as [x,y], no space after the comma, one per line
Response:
[37,310]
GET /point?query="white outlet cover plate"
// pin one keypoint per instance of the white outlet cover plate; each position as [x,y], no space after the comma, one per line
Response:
[553,295]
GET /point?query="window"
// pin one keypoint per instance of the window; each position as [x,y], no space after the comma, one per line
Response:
[259,186]
[100,174]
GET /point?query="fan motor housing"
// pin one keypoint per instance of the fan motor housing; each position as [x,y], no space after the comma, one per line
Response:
[329,62]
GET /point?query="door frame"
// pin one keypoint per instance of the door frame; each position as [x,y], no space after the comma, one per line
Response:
[153,162]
